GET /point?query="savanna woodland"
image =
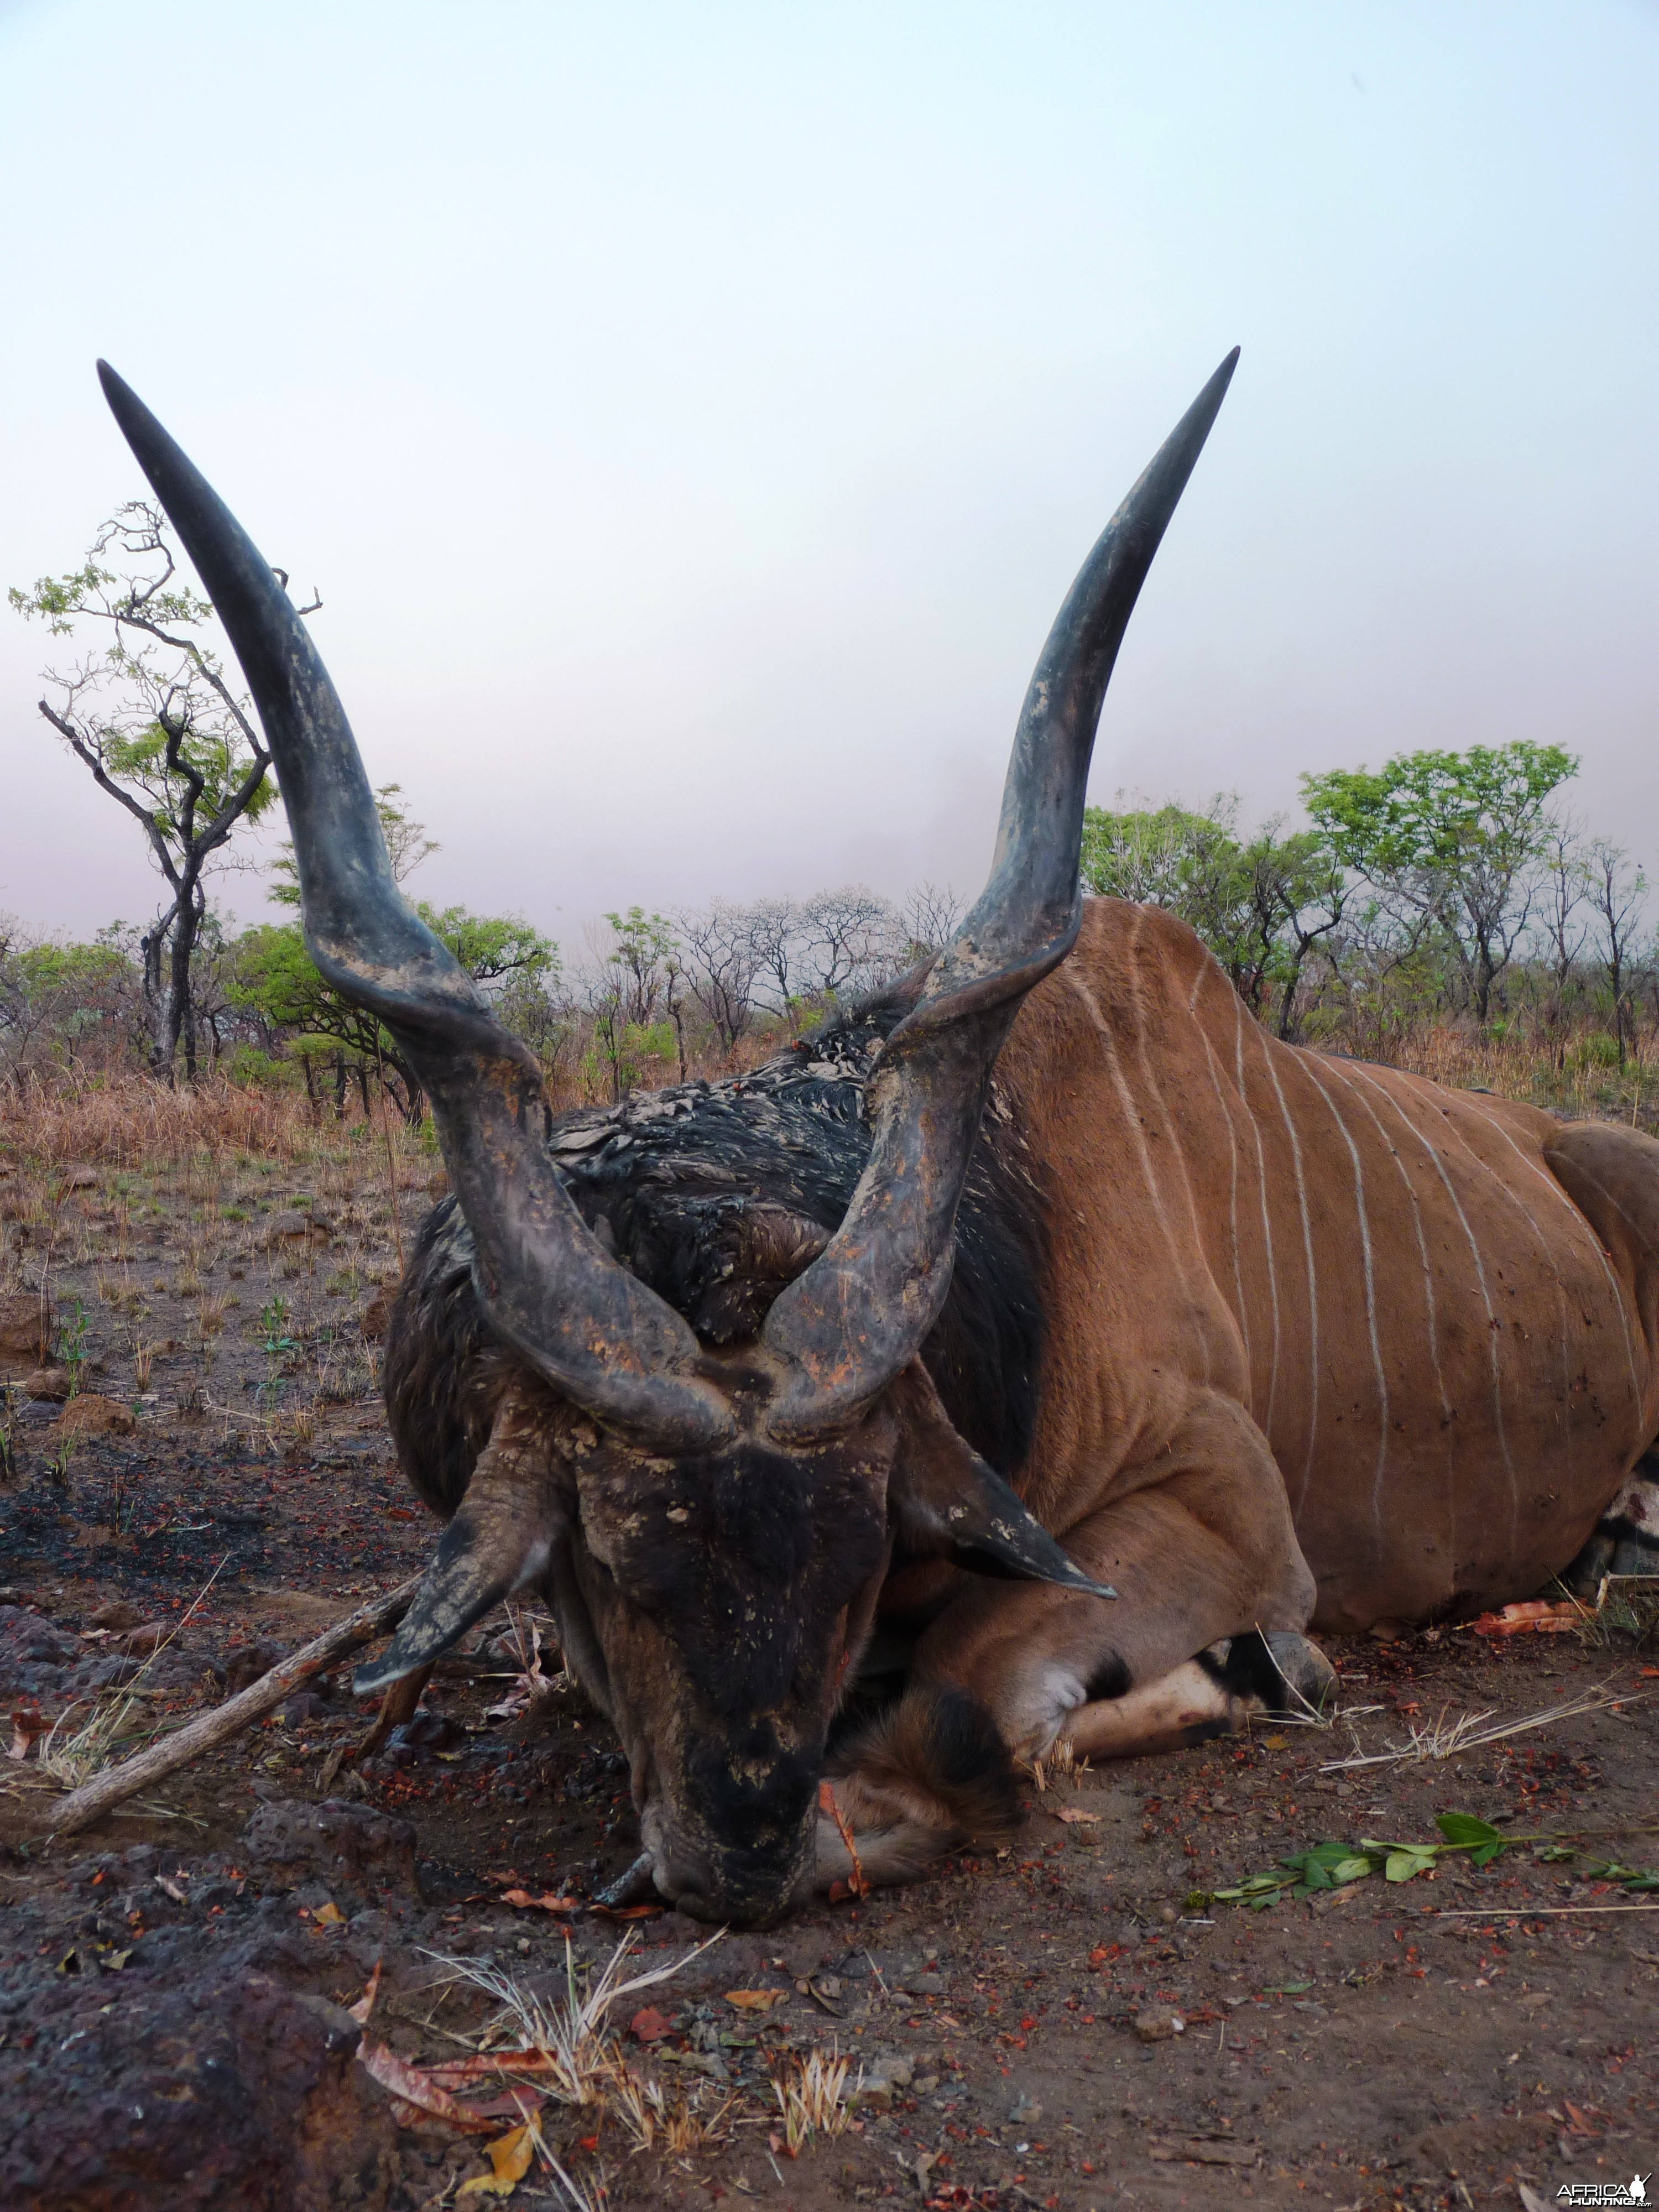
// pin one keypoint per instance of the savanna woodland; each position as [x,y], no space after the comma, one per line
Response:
[1377,1958]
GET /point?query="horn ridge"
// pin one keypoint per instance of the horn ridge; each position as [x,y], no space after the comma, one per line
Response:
[860,1312]
[549,1287]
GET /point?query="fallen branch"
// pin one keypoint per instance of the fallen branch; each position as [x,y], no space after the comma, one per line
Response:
[83,1806]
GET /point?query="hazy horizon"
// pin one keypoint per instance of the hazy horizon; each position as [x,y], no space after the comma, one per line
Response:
[693,419]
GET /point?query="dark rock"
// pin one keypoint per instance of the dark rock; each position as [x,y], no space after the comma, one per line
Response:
[426,1732]
[248,1662]
[196,2083]
[289,1842]
[302,1706]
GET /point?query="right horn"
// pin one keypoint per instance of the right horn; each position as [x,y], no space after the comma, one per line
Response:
[860,1312]
[549,1287]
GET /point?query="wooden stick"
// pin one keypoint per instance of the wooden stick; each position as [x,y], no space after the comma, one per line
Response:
[1536,1911]
[82,1805]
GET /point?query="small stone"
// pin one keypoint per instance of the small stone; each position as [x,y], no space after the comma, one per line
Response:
[92,1414]
[1158,2024]
[115,1613]
[25,1329]
[144,1641]
[1024,2112]
[926,1985]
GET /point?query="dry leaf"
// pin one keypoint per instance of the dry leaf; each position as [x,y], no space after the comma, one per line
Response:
[1072,1812]
[328,1915]
[455,2073]
[415,2087]
[365,2004]
[27,1723]
[1535,1616]
[1274,1742]
[650,2026]
[547,1902]
[509,2158]
[755,2000]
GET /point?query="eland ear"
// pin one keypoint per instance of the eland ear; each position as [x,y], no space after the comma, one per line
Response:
[502,1538]
[946,1502]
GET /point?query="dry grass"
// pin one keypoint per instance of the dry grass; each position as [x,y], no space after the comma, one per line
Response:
[1443,1737]
[1625,1613]
[574,2059]
[813,2098]
[673,2121]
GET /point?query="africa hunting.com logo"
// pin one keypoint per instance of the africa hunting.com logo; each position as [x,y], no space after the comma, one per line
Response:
[1633,2191]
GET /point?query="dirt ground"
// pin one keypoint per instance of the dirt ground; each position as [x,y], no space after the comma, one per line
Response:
[175,1983]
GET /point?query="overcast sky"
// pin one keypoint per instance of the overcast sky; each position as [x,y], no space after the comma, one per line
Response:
[692,416]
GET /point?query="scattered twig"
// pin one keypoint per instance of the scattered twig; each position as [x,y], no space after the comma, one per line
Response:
[82,1805]
[1443,1739]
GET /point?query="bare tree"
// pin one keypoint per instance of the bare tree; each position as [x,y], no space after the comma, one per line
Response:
[157,726]
[929,917]
[849,938]
[721,963]
[1618,893]
[773,945]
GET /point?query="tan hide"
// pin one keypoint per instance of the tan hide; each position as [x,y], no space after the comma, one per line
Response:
[1453,1370]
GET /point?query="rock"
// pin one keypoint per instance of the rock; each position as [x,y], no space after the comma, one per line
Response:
[246,1664]
[926,1985]
[92,1414]
[885,2074]
[304,1705]
[148,1638]
[377,1314]
[113,1672]
[291,1228]
[115,1613]
[426,1732]
[52,1383]
[289,1842]
[24,1330]
[1158,2023]
[196,2083]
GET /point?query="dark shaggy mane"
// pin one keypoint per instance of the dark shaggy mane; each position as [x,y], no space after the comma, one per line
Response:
[717,1196]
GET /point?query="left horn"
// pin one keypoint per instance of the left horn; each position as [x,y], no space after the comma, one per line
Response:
[862,1310]
[547,1285]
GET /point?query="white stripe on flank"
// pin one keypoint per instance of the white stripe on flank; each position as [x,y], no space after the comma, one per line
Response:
[1448,1414]
[1262,1185]
[1305,1064]
[1232,1202]
[1439,1166]
[1564,1420]
[1313,1280]
[1070,974]
[1149,1080]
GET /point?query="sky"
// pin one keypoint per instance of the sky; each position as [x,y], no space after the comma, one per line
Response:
[693,415]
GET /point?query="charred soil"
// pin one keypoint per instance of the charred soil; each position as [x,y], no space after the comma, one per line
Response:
[178,1984]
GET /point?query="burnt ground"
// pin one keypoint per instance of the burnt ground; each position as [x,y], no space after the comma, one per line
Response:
[174,1981]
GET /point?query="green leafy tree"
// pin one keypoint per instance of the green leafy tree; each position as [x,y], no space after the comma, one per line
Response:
[60,1001]
[275,982]
[152,717]
[1453,839]
[278,985]
[636,998]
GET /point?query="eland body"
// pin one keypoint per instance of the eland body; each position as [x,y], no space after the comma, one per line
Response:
[1032,1357]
